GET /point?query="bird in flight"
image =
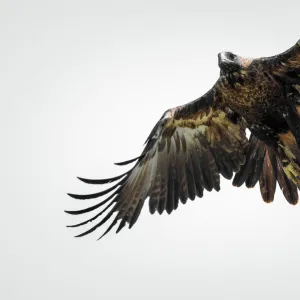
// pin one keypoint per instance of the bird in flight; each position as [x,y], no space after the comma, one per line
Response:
[191,145]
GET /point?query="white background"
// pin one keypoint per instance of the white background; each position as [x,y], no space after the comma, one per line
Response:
[82,84]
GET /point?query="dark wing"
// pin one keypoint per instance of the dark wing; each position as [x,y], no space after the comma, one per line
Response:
[262,165]
[185,153]
[286,66]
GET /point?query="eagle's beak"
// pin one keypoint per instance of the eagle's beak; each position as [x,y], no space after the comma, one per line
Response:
[222,59]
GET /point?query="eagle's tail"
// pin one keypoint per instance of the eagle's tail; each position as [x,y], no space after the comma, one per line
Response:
[266,165]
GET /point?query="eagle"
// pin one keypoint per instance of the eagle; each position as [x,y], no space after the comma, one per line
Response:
[191,145]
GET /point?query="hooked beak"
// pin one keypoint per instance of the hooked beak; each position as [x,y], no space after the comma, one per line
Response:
[222,59]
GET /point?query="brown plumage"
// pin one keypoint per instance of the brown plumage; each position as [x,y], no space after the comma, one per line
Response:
[191,145]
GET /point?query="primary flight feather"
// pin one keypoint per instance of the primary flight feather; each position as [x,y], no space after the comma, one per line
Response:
[191,145]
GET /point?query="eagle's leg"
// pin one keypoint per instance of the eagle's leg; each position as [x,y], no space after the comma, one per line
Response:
[291,114]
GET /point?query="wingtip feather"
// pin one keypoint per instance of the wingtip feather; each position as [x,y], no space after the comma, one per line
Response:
[127,162]
[102,181]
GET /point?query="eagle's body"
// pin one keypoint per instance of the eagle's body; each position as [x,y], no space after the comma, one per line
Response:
[250,94]
[257,98]
[192,144]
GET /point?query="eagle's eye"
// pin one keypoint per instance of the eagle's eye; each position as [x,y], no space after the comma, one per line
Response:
[231,56]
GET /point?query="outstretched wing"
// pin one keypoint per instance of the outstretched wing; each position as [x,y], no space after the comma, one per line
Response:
[285,66]
[185,153]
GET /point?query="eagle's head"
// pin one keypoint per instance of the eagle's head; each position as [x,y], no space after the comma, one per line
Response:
[229,63]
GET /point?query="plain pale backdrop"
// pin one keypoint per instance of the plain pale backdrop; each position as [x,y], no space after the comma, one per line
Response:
[82,85]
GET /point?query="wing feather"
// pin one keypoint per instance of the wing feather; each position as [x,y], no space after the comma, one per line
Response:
[268,177]
[263,165]
[289,189]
